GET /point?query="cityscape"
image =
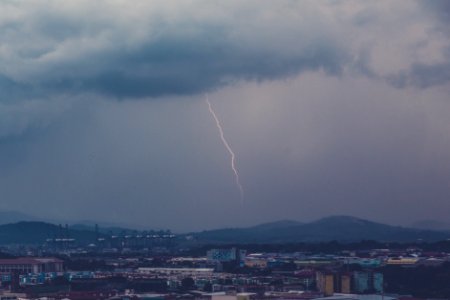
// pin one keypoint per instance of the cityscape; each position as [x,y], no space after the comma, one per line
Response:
[225,150]
[133,264]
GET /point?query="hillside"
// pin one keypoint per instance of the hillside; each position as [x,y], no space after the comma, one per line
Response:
[37,232]
[341,228]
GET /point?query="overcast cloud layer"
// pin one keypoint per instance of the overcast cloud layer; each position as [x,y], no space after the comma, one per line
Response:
[332,107]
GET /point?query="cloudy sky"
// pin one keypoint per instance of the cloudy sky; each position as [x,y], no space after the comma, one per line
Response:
[331,107]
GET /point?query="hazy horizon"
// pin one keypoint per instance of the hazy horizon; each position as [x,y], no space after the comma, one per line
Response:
[18,216]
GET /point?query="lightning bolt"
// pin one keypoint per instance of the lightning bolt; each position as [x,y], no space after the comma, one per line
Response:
[230,151]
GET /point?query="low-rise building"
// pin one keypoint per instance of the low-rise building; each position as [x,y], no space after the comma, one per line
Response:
[31,265]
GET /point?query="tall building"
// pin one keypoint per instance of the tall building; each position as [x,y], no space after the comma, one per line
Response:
[378,282]
[342,283]
[361,282]
[224,255]
[325,283]
[345,283]
[367,281]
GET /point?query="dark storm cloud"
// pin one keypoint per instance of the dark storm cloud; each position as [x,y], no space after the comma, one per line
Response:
[157,49]
[203,57]
[51,53]
[190,67]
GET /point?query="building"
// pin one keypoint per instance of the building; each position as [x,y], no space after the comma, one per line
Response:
[361,282]
[378,282]
[364,282]
[316,263]
[325,283]
[344,283]
[357,297]
[256,263]
[402,261]
[177,271]
[225,255]
[31,265]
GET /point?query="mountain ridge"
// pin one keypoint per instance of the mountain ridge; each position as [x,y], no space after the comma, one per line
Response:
[37,232]
[341,228]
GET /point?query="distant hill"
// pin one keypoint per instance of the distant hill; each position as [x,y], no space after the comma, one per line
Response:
[8,217]
[340,228]
[37,232]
